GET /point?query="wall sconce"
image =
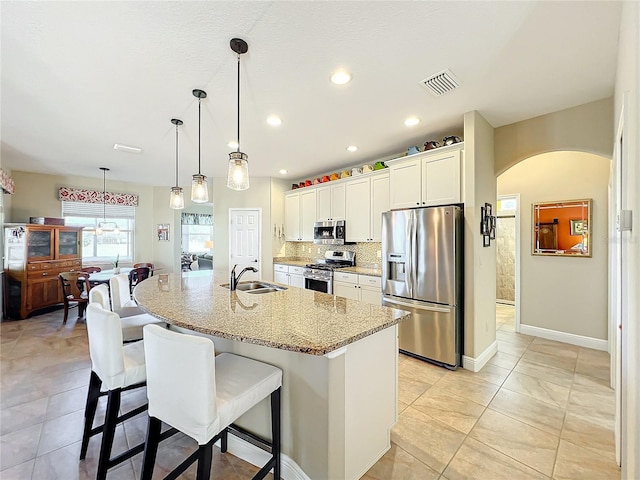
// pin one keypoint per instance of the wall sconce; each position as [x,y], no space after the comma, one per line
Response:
[487,225]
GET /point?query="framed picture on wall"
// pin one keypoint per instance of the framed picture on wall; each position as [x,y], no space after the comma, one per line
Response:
[163,232]
[578,227]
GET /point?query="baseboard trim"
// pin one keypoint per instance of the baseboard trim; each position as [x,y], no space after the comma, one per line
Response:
[248,452]
[573,339]
[476,364]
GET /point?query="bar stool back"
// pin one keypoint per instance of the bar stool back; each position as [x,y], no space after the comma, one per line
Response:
[100,294]
[200,394]
[120,294]
[117,368]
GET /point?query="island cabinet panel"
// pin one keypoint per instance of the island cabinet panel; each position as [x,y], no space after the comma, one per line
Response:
[34,256]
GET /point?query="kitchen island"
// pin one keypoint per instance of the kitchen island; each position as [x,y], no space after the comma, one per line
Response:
[338,357]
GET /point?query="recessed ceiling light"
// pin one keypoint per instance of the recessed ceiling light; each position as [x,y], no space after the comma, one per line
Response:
[274,121]
[352,148]
[127,148]
[232,144]
[412,121]
[340,77]
[283,172]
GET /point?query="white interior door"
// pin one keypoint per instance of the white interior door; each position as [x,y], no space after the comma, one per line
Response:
[244,241]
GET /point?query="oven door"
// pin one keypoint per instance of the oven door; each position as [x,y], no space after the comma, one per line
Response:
[325,286]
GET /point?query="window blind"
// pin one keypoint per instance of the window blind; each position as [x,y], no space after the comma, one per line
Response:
[96,210]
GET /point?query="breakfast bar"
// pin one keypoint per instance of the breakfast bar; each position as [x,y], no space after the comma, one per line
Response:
[338,357]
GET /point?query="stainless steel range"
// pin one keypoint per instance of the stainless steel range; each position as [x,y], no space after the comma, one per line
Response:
[319,276]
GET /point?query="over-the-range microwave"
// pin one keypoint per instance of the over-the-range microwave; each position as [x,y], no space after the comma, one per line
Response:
[329,233]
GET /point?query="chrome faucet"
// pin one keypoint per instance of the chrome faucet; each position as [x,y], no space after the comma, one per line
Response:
[233,281]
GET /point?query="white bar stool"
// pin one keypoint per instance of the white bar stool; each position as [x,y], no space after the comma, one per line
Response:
[131,325]
[119,368]
[120,294]
[201,394]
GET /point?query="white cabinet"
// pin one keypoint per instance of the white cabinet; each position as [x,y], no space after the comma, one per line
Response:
[365,288]
[300,215]
[331,202]
[426,179]
[366,198]
[288,275]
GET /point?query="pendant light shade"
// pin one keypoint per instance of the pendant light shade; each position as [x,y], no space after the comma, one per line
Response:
[199,188]
[238,175]
[105,226]
[176,200]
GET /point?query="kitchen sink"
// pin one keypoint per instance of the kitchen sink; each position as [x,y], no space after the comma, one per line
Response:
[256,287]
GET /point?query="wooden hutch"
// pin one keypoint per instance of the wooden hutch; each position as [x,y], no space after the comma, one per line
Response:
[34,256]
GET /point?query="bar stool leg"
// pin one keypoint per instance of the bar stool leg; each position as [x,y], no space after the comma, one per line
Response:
[110,422]
[90,411]
[275,432]
[150,448]
[224,435]
[205,453]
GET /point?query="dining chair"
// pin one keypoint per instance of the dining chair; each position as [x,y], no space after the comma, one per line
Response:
[91,270]
[150,266]
[201,395]
[136,275]
[75,292]
[120,293]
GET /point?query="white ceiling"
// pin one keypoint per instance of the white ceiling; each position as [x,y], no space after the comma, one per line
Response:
[78,77]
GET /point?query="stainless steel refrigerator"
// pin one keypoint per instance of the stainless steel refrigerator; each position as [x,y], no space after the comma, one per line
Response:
[422,272]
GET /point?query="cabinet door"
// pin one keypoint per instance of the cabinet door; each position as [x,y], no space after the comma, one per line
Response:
[307,215]
[67,243]
[281,277]
[42,293]
[292,216]
[324,203]
[371,296]
[404,184]
[379,205]
[40,243]
[296,280]
[441,179]
[358,221]
[338,202]
[345,290]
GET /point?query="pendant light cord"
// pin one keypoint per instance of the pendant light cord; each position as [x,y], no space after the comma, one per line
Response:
[238,103]
[199,142]
[176,154]
[104,196]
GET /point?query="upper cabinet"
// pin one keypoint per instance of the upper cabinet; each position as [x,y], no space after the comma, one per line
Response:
[366,198]
[426,179]
[300,215]
[331,202]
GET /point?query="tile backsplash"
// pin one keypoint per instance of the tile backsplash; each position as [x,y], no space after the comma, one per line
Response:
[366,253]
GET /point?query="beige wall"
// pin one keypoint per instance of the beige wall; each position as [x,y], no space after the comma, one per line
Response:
[37,196]
[627,94]
[564,294]
[584,128]
[480,262]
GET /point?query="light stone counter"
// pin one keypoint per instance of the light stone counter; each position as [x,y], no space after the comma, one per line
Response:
[339,359]
[295,319]
[373,272]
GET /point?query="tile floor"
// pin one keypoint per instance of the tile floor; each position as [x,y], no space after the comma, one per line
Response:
[539,409]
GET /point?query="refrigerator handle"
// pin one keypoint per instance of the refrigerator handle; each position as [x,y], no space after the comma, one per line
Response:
[409,250]
[417,307]
[414,253]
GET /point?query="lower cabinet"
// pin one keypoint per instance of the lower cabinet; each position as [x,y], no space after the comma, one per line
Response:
[288,275]
[364,288]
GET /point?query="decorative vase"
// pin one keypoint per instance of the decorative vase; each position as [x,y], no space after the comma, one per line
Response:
[116,270]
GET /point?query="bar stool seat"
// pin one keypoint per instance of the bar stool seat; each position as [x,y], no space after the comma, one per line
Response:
[201,395]
[131,325]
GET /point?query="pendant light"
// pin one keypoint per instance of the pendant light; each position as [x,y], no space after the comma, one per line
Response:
[238,176]
[176,201]
[199,189]
[104,225]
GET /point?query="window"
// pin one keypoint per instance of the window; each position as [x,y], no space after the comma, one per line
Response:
[109,245]
[195,238]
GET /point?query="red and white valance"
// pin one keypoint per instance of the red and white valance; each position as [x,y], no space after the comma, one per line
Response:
[68,194]
[6,182]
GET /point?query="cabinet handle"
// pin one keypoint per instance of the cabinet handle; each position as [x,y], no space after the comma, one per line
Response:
[417,203]
[44,274]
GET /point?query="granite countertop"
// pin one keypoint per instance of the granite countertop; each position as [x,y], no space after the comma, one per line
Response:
[299,262]
[295,319]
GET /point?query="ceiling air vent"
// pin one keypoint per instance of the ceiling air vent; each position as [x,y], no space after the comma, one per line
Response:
[441,83]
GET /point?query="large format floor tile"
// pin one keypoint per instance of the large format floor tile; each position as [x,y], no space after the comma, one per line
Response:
[397,464]
[455,411]
[539,389]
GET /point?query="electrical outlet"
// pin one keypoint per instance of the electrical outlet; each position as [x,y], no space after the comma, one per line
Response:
[379,254]
[318,251]
[309,249]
